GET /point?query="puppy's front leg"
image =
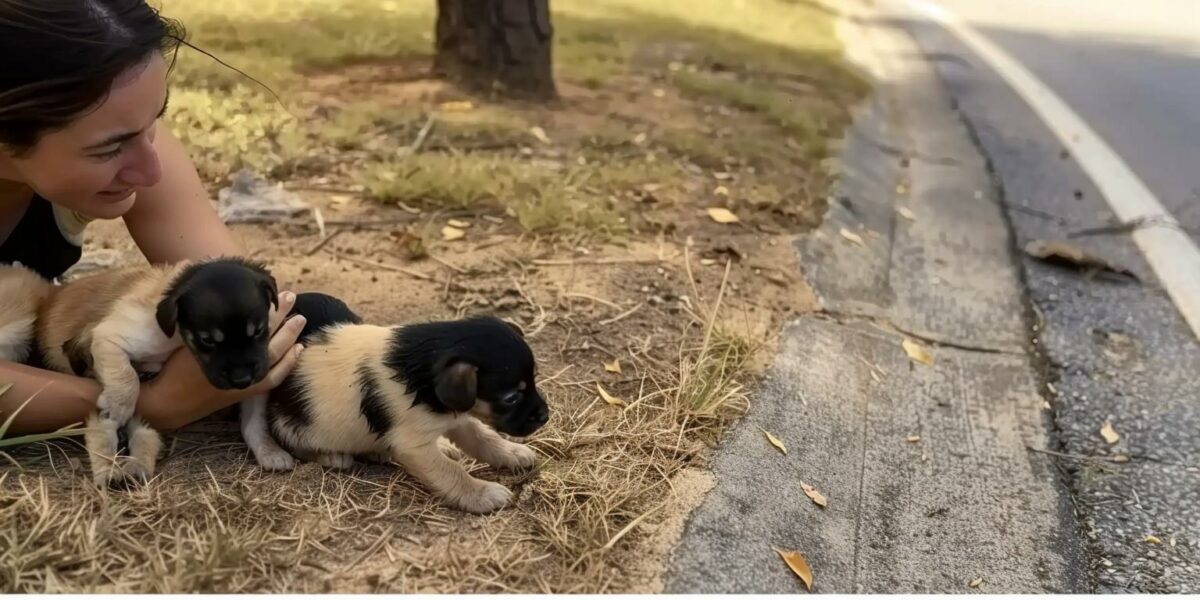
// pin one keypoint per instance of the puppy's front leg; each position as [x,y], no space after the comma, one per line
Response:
[449,480]
[114,408]
[483,443]
[257,434]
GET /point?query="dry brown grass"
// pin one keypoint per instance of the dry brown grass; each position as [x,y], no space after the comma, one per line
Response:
[590,230]
[229,527]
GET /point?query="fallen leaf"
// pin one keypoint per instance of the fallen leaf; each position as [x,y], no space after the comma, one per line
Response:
[1064,254]
[411,245]
[452,233]
[721,190]
[901,189]
[722,175]
[456,106]
[1046,405]
[609,398]
[853,237]
[817,497]
[412,210]
[795,561]
[722,215]
[917,352]
[639,139]
[659,92]
[1172,542]
[613,367]
[1152,539]
[774,441]
[913,438]
[707,262]
[976,582]
[906,213]
[459,224]
[540,134]
[1120,458]
[1109,434]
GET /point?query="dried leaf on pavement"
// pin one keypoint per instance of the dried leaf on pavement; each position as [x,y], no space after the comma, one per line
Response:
[1109,434]
[609,398]
[853,237]
[796,562]
[1064,254]
[459,223]
[1152,539]
[452,233]
[774,440]
[817,497]
[917,352]
[907,213]
[613,367]
[976,582]
[722,215]
[912,439]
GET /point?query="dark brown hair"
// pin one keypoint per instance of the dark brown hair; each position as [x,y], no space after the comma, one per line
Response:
[59,58]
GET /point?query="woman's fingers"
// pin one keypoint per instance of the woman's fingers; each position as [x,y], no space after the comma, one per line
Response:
[287,300]
[285,338]
[282,368]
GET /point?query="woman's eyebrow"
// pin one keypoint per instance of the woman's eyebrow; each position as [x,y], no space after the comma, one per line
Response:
[123,137]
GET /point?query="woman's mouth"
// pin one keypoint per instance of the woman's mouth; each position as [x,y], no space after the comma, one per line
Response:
[117,195]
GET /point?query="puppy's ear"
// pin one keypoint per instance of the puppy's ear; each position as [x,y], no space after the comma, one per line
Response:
[269,288]
[167,313]
[455,384]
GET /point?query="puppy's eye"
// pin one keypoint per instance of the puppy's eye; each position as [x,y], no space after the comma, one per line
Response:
[204,340]
[511,398]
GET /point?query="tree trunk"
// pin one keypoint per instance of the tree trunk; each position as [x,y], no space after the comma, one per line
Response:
[496,46]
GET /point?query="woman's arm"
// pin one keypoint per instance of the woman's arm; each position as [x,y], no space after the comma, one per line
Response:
[58,400]
[174,220]
[179,395]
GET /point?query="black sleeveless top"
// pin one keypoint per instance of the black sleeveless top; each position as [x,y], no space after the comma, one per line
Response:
[47,239]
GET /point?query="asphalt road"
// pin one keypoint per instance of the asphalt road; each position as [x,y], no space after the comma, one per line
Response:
[1110,350]
[1130,69]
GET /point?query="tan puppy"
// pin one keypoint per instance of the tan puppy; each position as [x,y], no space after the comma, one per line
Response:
[116,324]
[21,293]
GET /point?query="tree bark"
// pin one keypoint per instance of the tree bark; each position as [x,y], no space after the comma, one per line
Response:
[500,46]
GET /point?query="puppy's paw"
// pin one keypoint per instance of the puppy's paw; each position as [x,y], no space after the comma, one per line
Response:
[335,460]
[102,440]
[515,456]
[144,446]
[484,497]
[273,458]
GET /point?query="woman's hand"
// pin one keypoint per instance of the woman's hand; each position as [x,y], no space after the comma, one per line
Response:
[181,394]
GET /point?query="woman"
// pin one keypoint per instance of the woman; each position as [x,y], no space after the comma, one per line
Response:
[82,86]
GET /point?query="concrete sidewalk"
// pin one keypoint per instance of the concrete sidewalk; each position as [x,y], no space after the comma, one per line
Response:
[930,480]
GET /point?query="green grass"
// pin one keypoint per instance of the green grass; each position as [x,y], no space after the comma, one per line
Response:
[716,52]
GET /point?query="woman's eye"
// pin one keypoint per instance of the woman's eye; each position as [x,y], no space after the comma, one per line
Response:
[108,155]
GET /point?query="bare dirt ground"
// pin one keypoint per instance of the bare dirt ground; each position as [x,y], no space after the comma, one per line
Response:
[589,223]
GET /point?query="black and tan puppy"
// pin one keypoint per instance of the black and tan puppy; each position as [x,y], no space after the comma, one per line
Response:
[395,391]
[117,324]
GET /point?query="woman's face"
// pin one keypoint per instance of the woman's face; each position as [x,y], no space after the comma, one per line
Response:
[95,165]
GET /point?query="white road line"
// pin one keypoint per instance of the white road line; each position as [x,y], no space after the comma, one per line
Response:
[1171,253]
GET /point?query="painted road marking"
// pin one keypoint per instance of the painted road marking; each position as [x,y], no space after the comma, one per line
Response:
[1169,250]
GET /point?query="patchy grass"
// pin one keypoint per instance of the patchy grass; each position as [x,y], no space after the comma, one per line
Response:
[580,222]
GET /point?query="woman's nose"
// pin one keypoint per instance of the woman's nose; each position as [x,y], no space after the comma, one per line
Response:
[143,169]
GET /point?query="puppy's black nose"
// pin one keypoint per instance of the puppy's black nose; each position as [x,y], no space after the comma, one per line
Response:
[540,417]
[239,379]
